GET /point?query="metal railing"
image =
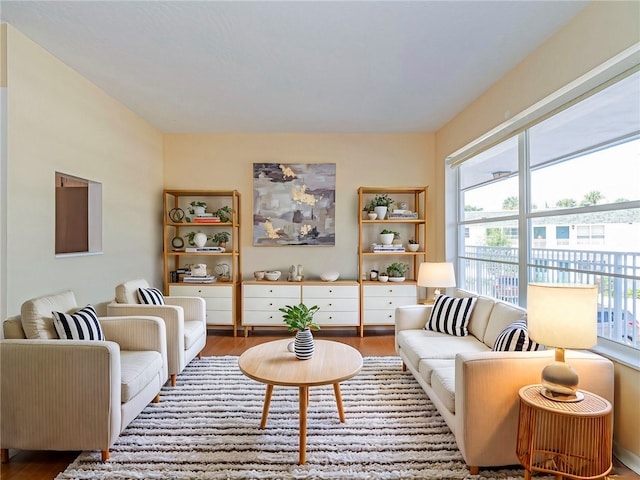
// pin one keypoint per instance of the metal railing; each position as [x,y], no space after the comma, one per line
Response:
[494,271]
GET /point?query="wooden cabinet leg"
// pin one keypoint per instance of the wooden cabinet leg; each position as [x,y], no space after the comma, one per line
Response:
[474,470]
[105,455]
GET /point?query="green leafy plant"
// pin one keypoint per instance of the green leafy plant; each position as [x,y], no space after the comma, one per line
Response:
[382,200]
[224,213]
[395,234]
[221,237]
[397,269]
[412,241]
[299,317]
[370,207]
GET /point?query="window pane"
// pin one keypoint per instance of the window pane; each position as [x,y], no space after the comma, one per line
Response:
[610,175]
[610,114]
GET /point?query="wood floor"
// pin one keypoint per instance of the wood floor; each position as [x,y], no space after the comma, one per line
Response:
[46,465]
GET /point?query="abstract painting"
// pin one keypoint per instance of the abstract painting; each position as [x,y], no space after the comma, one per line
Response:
[294,204]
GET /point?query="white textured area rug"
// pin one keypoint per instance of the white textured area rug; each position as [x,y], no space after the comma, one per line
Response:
[207,427]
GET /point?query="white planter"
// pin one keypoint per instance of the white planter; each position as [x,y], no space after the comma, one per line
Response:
[381,212]
[413,247]
[372,215]
[386,238]
[199,210]
[200,239]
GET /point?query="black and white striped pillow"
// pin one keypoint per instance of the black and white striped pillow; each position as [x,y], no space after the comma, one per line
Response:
[150,296]
[82,325]
[515,338]
[451,315]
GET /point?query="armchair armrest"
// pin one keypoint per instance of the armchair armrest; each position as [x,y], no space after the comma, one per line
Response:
[44,381]
[194,307]
[136,332]
[487,403]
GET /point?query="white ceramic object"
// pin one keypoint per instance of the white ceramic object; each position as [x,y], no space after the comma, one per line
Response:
[259,274]
[372,216]
[381,212]
[396,279]
[413,247]
[329,276]
[386,238]
[200,239]
[272,275]
[383,278]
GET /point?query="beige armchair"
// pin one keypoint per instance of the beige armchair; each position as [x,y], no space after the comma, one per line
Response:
[185,320]
[75,394]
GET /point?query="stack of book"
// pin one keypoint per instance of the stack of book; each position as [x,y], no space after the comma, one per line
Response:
[386,248]
[204,249]
[206,218]
[401,214]
[199,279]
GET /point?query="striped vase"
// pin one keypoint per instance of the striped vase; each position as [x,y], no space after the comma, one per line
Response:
[303,344]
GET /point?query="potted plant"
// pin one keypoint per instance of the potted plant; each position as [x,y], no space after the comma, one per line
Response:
[382,203]
[198,238]
[396,238]
[396,271]
[386,236]
[221,238]
[197,208]
[299,319]
[224,214]
[413,246]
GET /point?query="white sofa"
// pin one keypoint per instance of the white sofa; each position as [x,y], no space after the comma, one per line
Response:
[75,394]
[474,388]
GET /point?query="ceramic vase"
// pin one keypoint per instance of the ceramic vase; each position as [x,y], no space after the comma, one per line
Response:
[381,212]
[303,345]
[200,239]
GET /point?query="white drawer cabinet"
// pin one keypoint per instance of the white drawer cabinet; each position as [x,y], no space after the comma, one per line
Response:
[218,298]
[381,300]
[261,302]
[339,304]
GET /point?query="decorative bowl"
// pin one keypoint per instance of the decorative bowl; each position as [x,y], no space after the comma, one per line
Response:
[396,279]
[259,274]
[272,275]
[413,247]
[329,276]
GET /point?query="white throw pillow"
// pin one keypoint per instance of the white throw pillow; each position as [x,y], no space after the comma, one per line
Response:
[82,325]
[451,315]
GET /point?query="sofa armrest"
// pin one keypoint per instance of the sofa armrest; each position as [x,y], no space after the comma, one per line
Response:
[412,317]
[487,402]
[194,307]
[44,382]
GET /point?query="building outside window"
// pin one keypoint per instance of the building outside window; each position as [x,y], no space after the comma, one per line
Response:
[559,201]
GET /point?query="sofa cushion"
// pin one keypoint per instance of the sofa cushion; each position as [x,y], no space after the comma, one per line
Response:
[138,368]
[127,292]
[502,315]
[193,331]
[515,338]
[480,314]
[427,366]
[150,296]
[36,317]
[451,315]
[443,382]
[81,325]
[421,344]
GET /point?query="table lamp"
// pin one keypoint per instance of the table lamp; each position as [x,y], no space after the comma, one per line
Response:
[436,275]
[562,316]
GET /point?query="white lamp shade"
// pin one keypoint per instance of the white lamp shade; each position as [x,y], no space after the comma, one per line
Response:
[563,316]
[436,274]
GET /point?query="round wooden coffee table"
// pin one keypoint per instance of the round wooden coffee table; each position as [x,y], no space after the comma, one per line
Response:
[273,364]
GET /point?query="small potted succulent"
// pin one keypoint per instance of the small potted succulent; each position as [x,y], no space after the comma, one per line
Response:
[223,213]
[387,236]
[413,245]
[299,319]
[396,271]
[197,208]
[221,238]
[382,203]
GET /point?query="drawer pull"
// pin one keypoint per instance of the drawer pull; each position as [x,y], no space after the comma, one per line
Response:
[330,317]
[330,291]
[271,304]
[331,305]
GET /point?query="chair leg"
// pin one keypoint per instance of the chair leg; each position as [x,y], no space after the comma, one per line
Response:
[4,455]
[105,455]
[156,399]
[173,379]
[404,367]
[200,355]
[474,470]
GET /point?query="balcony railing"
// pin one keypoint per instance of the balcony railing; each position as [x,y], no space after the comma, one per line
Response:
[493,271]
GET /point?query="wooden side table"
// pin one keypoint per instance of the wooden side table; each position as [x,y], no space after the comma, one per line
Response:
[569,439]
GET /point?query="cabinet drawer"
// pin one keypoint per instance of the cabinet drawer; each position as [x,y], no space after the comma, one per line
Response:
[381,303]
[201,291]
[334,304]
[337,318]
[219,317]
[390,290]
[379,317]
[219,303]
[330,291]
[272,291]
[268,304]
[258,318]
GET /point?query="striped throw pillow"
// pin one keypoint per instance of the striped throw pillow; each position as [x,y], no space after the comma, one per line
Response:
[82,325]
[451,315]
[515,338]
[150,296]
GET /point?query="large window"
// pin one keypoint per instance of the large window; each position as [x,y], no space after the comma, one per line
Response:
[559,202]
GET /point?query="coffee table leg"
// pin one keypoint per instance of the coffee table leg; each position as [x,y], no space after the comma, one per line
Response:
[336,391]
[265,409]
[304,403]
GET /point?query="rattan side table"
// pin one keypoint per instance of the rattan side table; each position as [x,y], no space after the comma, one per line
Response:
[568,439]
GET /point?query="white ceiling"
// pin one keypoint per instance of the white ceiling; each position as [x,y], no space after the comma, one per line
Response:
[300,66]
